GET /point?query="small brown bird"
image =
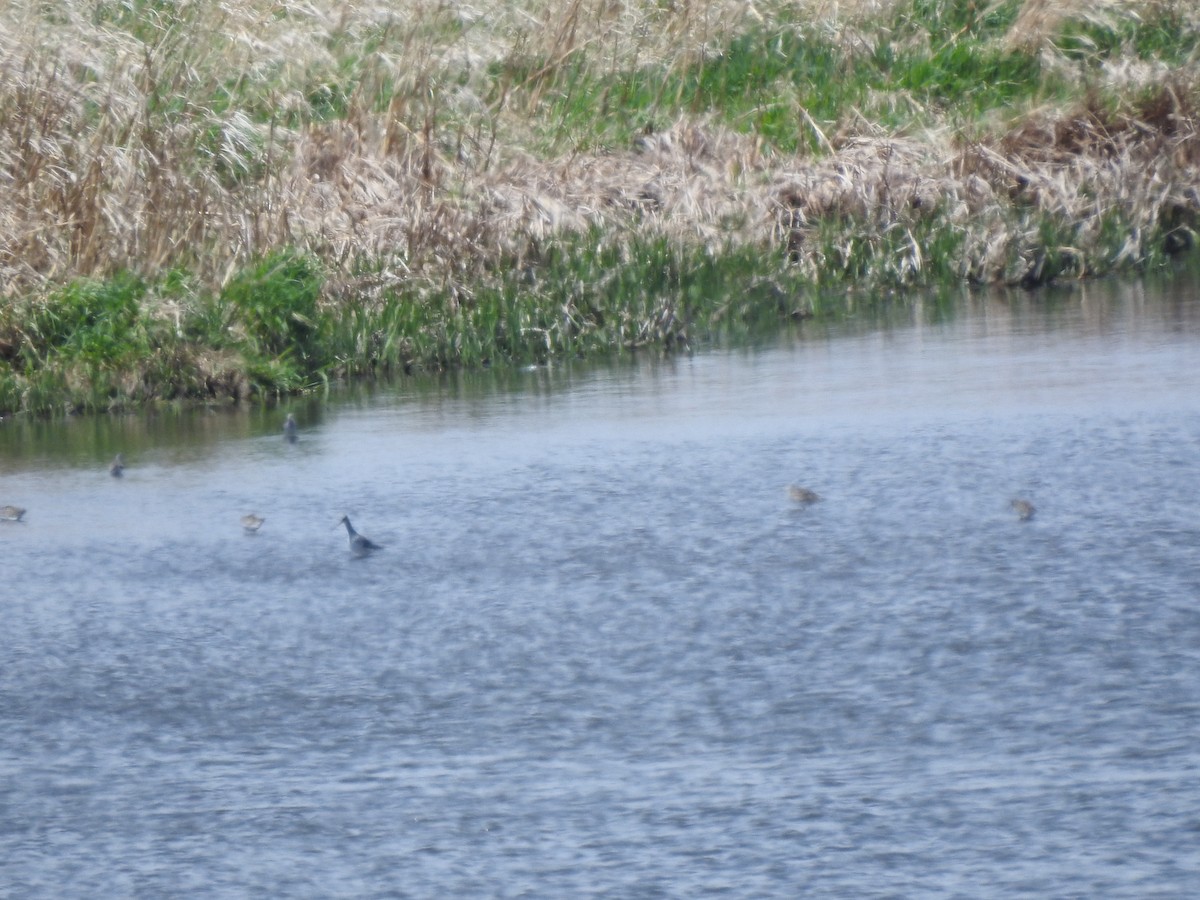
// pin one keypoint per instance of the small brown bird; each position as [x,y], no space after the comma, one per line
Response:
[1024,509]
[252,523]
[11,513]
[802,494]
[117,469]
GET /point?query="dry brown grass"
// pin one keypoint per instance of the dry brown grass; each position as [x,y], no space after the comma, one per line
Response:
[95,176]
[1038,21]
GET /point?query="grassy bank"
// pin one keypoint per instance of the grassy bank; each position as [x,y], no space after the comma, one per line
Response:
[200,202]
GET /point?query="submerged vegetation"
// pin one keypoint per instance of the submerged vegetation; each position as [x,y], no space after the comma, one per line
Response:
[202,201]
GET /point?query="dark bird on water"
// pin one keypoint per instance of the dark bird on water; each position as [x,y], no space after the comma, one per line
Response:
[359,545]
[11,513]
[117,468]
[289,429]
[252,523]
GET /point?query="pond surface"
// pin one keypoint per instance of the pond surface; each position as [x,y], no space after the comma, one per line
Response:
[602,653]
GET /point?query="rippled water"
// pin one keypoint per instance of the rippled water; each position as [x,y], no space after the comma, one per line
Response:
[602,652]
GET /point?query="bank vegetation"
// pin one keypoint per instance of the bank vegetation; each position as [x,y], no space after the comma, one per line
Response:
[212,201]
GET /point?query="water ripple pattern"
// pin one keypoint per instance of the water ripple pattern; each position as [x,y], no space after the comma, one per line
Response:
[603,654]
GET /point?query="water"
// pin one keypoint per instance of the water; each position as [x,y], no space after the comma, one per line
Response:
[602,653]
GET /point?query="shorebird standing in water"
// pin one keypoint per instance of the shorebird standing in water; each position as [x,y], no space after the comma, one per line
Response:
[11,513]
[359,545]
[289,429]
[117,469]
[252,523]
[802,494]
[1024,509]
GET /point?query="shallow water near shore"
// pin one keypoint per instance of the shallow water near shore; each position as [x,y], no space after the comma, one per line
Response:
[603,653]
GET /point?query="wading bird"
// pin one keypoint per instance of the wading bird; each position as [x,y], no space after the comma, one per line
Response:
[802,494]
[117,469]
[252,523]
[1024,509]
[11,513]
[289,429]
[359,545]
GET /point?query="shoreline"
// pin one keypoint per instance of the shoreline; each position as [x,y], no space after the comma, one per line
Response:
[172,235]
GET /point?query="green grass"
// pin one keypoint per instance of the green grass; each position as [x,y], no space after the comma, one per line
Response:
[760,81]
[971,80]
[942,56]
[273,305]
[1162,36]
[221,306]
[98,346]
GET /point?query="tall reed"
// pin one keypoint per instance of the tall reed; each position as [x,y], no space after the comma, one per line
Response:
[304,191]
